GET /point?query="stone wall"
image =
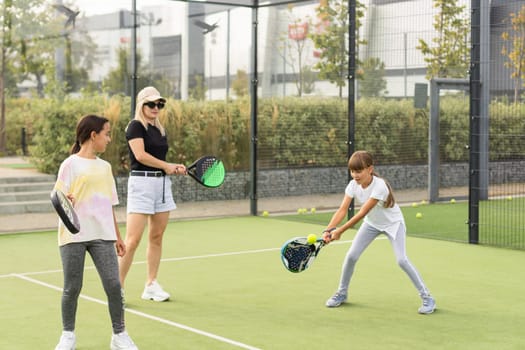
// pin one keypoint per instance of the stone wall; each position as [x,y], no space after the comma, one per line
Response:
[307,181]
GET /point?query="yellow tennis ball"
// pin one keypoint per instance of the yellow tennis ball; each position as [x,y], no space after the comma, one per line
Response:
[311,238]
[452,201]
[419,215]
[265,213]
[312,210]
[414,205]
[509,198]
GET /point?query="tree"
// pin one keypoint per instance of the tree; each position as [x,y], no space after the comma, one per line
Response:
[35,35]
[515,51]
[331,40]
[118,80]
[293,49]
[198,89]
[240,85]
[448,57]
[372,74]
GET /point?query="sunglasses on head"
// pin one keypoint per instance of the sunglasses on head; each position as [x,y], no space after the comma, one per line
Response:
[152,104]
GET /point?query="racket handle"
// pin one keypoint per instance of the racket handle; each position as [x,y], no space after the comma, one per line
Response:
[329,231]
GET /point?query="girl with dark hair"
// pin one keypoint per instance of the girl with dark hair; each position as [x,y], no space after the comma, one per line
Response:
[88,182]
[381,214]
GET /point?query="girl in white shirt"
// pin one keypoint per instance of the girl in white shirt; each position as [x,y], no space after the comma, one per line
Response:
[88,181]
[381,214]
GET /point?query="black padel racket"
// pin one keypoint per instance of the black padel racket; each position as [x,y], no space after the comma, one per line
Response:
[208,171]
[65,211]
[297,254]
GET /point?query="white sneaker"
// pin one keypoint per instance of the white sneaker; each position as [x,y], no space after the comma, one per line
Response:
[122,341]
[67,341]
[336,300]
[428,305]
[155,292]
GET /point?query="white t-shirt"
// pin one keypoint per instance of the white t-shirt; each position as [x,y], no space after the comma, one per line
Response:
[383,219]
[91,183]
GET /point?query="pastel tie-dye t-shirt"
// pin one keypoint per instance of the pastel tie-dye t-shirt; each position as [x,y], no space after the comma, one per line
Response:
[92,185]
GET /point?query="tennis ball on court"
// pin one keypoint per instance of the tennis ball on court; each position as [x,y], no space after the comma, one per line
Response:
[312,210]
[311,238]
[423,202]
[414,205]
[265,213]
[509,198]
[452,201]
[419,215]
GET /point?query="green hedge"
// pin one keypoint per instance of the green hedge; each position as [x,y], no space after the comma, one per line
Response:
[291,131]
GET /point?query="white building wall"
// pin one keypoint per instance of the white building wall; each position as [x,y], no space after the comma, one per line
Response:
[392,32]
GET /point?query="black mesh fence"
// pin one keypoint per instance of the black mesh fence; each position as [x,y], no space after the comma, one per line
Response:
[315,101]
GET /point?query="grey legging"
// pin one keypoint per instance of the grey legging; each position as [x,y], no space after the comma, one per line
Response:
[365,235]
[105,259]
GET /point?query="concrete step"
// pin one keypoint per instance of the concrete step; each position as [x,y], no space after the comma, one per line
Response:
[40,206]
[26,187]
[28,179]
[24,196]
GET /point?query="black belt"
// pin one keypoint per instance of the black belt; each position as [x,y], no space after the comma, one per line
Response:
[147,173]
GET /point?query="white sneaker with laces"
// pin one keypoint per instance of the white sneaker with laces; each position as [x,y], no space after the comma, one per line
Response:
[336,300]
[122,341]
[155,292]
[428,305]
[67,341]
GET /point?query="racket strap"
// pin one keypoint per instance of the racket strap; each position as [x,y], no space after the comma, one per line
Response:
[163,189]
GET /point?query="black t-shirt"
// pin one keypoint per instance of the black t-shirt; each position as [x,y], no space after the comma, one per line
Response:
[154,144]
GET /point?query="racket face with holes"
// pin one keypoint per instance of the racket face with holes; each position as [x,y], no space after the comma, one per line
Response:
[297,254]
[208,171]
[65,211]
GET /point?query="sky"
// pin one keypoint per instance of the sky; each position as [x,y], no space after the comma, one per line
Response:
[92,7]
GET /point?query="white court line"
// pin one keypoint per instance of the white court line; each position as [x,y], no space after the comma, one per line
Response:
[24,276]
[145,315]
[242,252]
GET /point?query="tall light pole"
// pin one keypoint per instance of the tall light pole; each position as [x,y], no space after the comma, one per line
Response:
[228,58]
[6,32]
[133,56]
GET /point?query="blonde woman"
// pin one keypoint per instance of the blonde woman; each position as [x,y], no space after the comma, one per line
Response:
[149,199]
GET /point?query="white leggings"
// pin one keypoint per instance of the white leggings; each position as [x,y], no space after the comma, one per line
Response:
[365,235]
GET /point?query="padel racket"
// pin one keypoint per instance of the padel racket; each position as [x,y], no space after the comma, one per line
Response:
[297,254]
[65,211]
[208,171]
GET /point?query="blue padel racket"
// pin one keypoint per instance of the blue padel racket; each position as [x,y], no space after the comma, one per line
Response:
[297,254]
[208,171]
[65,211]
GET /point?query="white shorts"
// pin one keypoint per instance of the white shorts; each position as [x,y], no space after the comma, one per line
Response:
[149,195]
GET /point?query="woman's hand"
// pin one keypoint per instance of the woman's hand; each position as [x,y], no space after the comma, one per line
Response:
[181,169]
[175,169]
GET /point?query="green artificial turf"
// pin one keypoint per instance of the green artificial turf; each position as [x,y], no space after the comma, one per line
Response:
[231,291]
